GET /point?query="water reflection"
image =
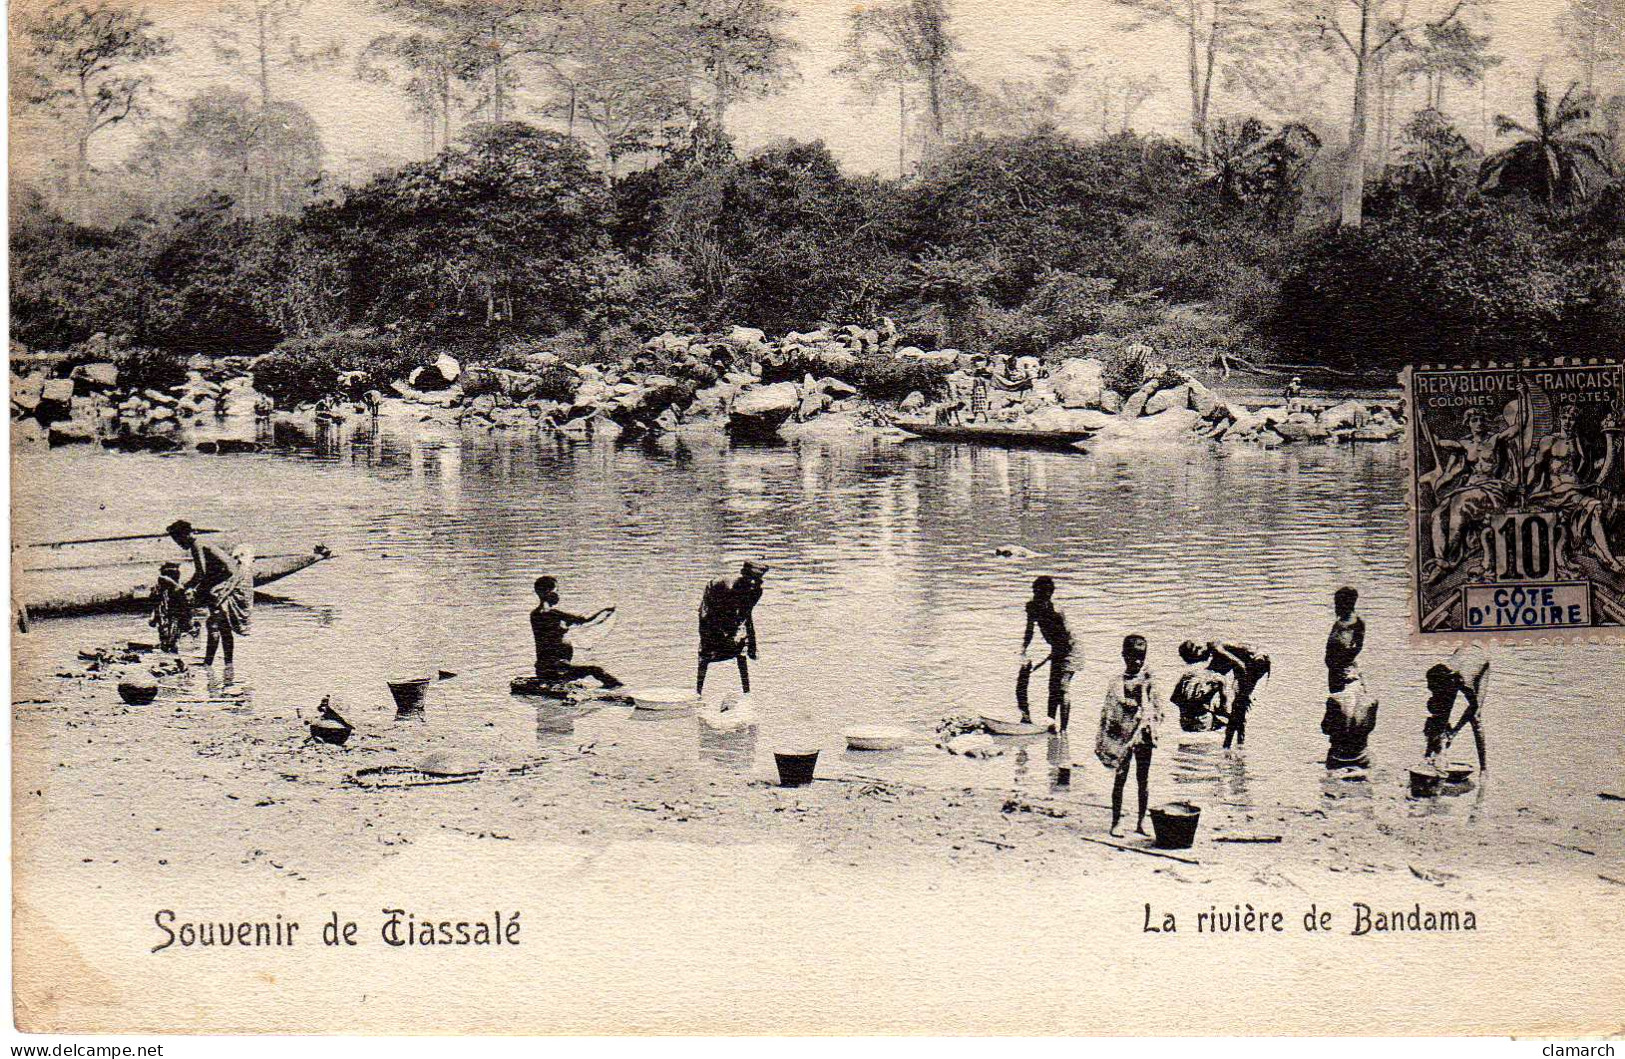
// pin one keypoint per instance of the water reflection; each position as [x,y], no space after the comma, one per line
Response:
[886,603]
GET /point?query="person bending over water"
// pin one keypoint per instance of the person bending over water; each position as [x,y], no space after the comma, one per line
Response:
[554,654]
[222,585]
[1050,621]
[1129,722]
[726,611]
[1246,665]
[1465,673]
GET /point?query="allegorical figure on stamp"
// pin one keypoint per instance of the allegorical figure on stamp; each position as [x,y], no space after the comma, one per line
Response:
[1474,477]
[1564,471]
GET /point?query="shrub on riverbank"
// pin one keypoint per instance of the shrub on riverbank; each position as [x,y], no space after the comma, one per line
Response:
[307,369]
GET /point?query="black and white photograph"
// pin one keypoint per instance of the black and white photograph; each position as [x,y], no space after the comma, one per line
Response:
[817,517]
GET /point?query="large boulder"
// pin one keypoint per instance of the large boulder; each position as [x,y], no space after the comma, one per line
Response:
[55,401]
[26,391]
[1078,383]
[1349,414]
[72,432]
[1067,419]
[1134,404]
[1300,426]
[812,404]
[1168,398]
[94,377]
[913,402]
[747,337]
[759,412]
[439,375]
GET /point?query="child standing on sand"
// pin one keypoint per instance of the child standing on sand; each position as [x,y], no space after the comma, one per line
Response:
[1129,722]
[171,609]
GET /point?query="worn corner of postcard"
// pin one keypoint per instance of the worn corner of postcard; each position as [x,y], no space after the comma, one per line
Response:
[1517,485]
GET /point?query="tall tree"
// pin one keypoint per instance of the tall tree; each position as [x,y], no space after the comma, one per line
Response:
[618,73]
[260,37]
[1218,34]
[740,47]
[1363,34]
[1594,34]
[900,44]
[1448,53]
[490,44]
[89,62]
[430,70]
[1559,154]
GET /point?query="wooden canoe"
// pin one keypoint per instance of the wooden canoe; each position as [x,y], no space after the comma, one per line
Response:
[1000,726]
[1003,437]
[126,586]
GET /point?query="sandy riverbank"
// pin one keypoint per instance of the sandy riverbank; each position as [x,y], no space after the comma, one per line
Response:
[212,801]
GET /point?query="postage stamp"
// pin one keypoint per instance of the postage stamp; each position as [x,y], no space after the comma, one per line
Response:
[1516,498]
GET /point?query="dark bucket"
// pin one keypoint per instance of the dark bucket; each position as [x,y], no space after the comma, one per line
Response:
[1425,782]
[330,732]
[796,770]
[409,696]
[1175,824]
[138,692]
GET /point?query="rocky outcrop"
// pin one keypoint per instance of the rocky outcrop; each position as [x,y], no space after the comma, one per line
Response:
[757,414]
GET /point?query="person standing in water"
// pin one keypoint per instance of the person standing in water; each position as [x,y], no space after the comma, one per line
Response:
[1050,621]
[1345,641]
[727,611]
[1129,723]
[1246,665]
[549,626]
[221,584]
[1351,714]
[1465,673]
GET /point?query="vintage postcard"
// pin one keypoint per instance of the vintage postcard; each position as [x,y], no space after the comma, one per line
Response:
[1516,475]
[813,517]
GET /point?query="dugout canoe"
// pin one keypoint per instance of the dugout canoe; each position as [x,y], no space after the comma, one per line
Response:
[1002,437]
[126,586]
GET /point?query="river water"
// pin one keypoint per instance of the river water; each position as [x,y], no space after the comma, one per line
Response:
[885,602]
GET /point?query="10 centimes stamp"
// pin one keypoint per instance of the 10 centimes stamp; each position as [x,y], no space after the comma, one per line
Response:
[1517,490]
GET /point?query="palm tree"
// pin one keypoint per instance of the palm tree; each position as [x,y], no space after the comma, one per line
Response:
[1557,156]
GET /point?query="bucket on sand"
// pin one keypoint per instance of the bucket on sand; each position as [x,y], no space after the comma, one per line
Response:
[410,696]
[1425,780]
[1175,824]
[138,692]
[796,770]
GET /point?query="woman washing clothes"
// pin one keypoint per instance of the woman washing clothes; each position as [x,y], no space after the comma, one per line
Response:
[221,584]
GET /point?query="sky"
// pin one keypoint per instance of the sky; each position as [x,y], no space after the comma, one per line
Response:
[366,126]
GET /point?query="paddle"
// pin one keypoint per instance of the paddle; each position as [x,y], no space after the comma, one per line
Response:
[110,540]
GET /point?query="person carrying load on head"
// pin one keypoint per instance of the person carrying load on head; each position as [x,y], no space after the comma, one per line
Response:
[1063,660]
[549,627]
[1246,666]
[728,623]
[223,583]
[1465,673]
[1129,722]
[171,609]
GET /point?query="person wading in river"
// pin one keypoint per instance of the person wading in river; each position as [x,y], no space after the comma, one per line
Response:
[1345,641]
[1128,730]
[1050,621]
[220,583]
[554,654]
[726,611]
[1351,714]
[1246,666]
